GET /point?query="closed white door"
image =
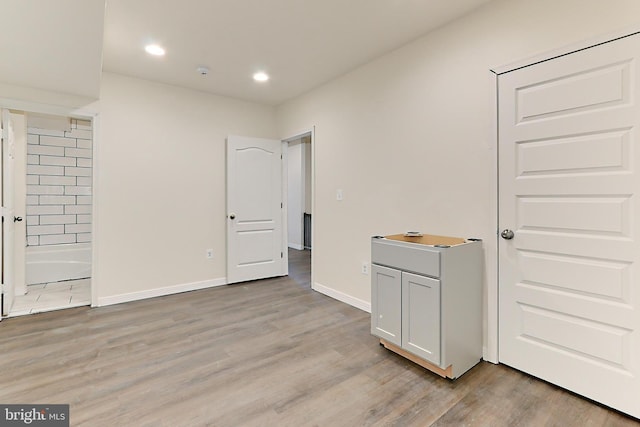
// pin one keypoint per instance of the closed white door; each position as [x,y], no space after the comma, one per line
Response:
[255,240]
[8,228]
[569,153]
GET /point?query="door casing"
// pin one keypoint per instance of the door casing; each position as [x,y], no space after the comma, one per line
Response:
[84,114]
[297,135]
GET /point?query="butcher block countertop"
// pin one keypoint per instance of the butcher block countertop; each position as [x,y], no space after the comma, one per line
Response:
[427,239]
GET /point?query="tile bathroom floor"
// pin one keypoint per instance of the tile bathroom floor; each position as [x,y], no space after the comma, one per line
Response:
[52,296]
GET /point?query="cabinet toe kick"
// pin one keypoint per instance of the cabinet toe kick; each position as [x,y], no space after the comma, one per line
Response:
[444,373]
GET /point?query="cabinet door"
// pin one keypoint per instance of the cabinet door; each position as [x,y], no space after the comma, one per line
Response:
[421,316]
[386,303]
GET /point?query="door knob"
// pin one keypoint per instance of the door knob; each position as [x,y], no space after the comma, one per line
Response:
[17,218]
[507,234]
[232,216]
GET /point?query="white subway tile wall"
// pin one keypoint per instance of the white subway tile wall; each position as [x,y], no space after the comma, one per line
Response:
[59,185]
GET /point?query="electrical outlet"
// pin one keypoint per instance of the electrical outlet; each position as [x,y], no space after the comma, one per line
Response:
[209,253]
[365,268]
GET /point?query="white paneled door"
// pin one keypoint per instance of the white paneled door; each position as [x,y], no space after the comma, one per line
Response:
[569,206]
[255,241]
[8,228]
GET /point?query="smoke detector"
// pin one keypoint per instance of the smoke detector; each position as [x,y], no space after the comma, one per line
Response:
[202,70]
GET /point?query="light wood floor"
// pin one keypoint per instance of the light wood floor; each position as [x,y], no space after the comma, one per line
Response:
[266,353]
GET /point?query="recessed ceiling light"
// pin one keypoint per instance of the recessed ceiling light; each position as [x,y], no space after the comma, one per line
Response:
[154,49]
[261,76]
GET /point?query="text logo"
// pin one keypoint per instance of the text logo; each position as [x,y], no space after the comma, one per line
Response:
[34,415]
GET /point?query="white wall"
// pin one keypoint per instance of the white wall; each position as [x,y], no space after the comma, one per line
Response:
[160,185]
[408,136]
[295,193]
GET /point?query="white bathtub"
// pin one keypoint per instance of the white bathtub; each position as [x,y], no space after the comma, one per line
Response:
[53,263]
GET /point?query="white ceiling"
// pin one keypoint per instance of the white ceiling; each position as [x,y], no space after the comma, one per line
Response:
[52,45]
[59,45]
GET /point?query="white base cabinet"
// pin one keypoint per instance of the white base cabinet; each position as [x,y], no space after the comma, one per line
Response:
[426,295]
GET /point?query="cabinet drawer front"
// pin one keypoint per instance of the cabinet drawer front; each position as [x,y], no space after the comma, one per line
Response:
[415,258]
[421,316]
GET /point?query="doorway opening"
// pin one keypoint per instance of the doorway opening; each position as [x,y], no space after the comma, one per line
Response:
[269,190]
[299,181]
[52,190]
[299,193]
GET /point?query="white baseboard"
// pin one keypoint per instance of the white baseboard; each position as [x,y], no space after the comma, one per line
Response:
[342,297]
[297,247]
[159,292]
